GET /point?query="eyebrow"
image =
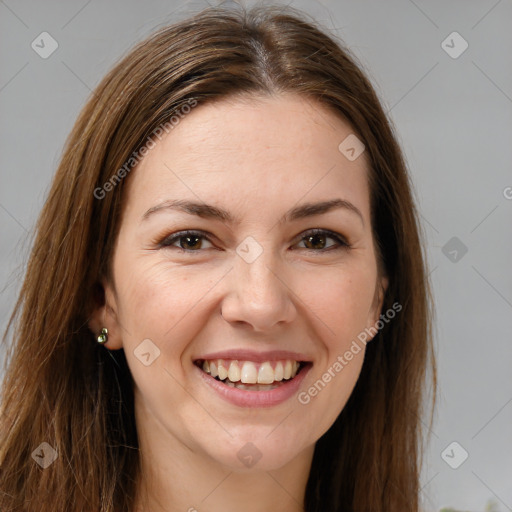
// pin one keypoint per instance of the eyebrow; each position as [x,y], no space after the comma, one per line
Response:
[209,211]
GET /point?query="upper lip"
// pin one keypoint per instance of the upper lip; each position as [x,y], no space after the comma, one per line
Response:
[257,357]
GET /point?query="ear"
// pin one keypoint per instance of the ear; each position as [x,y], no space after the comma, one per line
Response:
[104,314]
[376,308]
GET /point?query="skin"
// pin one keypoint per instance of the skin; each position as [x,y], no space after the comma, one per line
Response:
[240,154]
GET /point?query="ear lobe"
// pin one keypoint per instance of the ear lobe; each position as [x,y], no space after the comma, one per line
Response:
[104,315]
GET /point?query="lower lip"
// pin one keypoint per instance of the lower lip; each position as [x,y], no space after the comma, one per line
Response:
[245,398]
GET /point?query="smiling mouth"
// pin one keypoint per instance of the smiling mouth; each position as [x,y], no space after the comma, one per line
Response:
[251,376]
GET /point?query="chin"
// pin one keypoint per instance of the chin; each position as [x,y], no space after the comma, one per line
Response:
[256,451]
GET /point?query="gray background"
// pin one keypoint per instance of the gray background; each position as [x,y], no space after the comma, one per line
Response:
[453,117]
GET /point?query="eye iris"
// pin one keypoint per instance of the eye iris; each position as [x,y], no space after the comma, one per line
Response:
[316,237]
[191,246]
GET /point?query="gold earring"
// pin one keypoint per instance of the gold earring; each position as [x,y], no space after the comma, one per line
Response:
[103,336]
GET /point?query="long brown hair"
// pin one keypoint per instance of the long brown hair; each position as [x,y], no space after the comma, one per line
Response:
[63,388]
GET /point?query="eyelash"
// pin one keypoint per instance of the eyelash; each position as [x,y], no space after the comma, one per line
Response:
[169,240]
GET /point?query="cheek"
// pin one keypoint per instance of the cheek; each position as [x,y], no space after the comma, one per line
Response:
[163,301]
[165,305]
[341,302]
[327,393]
[340,298]
[158,301]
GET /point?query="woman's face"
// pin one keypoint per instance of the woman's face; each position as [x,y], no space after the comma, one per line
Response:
[253,286]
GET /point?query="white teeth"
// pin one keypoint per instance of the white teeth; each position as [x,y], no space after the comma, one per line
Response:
[233,372]
[288,369]
[265,374]
[279,372]
[249,373]
[213,369]
[223,372]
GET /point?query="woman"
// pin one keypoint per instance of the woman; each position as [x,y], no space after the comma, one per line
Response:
[226,306]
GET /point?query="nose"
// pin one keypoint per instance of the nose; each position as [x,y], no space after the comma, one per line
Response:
[258,294]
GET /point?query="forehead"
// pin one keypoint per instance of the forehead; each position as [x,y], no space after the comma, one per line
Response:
[252,151]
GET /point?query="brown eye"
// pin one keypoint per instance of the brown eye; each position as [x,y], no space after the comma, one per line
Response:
[189,241]
[316,240]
